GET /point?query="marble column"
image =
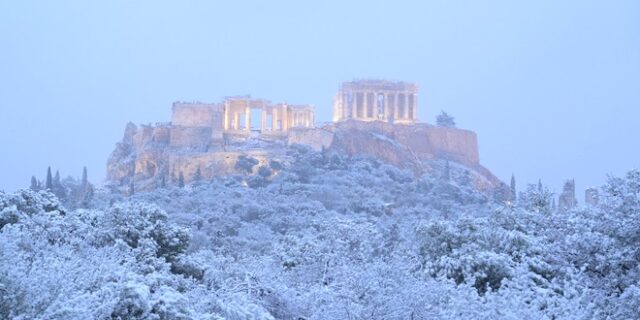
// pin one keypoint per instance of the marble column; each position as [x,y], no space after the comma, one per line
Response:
[225,125]
[236,120]
[376,113]
[396,112]
[344,106]
[263,120]
[354,105]
[274,120]
[415,107]
[409,106]
[385,106]
[285,117]
[403,107]
[247,117]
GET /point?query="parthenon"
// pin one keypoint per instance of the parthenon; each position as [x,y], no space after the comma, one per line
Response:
[369,100]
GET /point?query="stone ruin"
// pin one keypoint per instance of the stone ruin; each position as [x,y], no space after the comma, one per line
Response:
[395,102]
[205,126]
[205,140]
[591,196]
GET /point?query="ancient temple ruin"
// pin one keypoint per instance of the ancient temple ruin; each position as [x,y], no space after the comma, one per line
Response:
[273,117]
[369,100]
[205,125]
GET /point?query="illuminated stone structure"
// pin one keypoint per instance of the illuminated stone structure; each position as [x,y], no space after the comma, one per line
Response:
[371,100]
[273,117]
[196,124]
[371,118]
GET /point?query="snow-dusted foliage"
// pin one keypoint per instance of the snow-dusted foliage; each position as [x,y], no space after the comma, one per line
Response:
[325,237]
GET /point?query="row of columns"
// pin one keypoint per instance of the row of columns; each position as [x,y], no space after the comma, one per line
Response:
[399,105]
[302,119]
[281,120]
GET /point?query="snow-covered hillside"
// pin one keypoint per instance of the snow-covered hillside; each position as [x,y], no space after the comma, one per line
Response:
[326,237]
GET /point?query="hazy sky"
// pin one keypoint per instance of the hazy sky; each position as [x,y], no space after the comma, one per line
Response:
[552,88]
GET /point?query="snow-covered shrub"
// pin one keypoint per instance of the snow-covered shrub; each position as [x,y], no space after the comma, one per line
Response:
[324,236]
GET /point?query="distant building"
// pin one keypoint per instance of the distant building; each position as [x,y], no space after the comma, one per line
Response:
[567,199]
[591,196]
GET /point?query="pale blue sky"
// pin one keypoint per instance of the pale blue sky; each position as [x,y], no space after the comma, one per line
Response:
[551,87]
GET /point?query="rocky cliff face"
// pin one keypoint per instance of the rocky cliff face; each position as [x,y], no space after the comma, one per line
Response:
[148,156]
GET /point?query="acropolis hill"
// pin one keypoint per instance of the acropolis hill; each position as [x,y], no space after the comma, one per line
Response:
[370,118]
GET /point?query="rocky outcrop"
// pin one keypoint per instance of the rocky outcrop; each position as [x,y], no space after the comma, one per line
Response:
[150,156]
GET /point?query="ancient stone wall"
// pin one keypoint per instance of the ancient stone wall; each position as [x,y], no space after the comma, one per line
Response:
[190,138]
[146,135]
[316,138]
[382,139]
[192,114]
[217,124]
[448,143]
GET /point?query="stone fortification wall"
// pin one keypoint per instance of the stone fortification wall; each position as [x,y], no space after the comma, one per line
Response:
[190,138]
[424,141]
[192,114]
[438,142]
[316,138]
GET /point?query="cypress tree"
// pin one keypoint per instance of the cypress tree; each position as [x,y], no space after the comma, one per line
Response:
[181,180]
[513,187]
[34,184]
[540,186]
[49,181]
[56,179]
[85,181]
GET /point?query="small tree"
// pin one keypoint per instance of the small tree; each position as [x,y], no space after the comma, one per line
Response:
[163,182]
[87,196]
[35,185]
[181,180]
[537,198]
[275,165]
[513,187]
[56,178]
[49,181]
[85,181]
[447,171]
[445,120]
[246,163]
[264,172]
[57,187]
[198,175]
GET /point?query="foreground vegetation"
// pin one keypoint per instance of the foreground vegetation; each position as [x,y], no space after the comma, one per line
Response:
[326,237]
